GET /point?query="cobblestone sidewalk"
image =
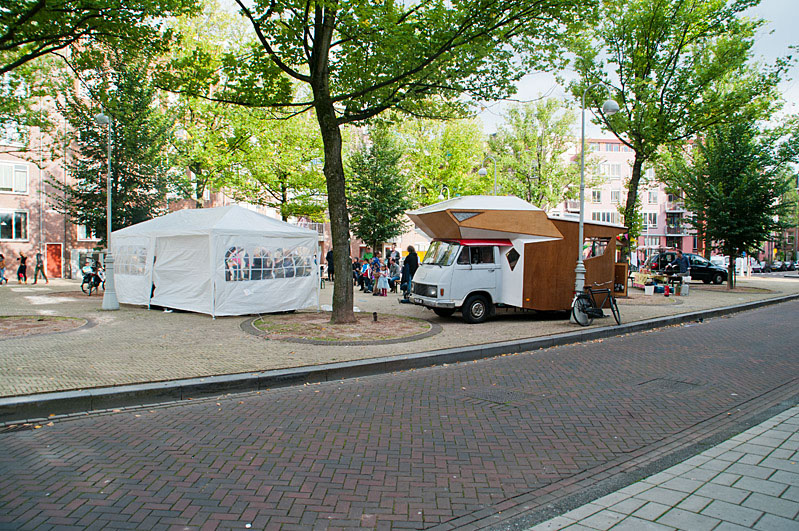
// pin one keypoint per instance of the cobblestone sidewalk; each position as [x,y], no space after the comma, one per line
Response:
[750,481]
[135,345]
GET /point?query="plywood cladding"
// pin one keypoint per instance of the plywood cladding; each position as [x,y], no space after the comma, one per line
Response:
[549,266]
[446,225]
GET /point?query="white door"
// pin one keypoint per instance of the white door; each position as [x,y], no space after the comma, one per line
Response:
[476,268]
[181,273]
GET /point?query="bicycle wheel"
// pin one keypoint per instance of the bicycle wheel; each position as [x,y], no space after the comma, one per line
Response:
[581,311]
[86,287]
[614,307]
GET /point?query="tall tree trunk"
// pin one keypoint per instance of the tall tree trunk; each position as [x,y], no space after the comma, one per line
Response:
[337,205]
[632,222]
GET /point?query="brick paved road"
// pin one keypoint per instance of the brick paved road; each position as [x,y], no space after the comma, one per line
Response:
[443,447]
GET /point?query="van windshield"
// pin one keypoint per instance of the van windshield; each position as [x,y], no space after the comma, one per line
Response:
[441,253]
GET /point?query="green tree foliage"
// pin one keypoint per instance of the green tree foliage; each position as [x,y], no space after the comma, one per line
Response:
[530,151]
[377,192]
[733,180]
[121,90]
[355,59]
[21,97]
[676,68]
[207,140]
[441,156]
[30,29]
[208,135]
[280,166]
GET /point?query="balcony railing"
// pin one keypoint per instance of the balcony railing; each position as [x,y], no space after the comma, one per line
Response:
[675,206]
[572,205]
[680,230]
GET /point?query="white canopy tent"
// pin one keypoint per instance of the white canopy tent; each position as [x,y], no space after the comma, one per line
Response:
[218,261]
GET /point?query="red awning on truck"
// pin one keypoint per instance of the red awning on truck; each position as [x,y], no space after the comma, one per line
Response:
[472,243]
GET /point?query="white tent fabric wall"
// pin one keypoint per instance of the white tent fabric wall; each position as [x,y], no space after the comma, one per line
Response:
[220,261]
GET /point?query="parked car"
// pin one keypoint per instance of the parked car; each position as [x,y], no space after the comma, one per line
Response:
[777,265]
[790,265]
[757,267]
[700,268]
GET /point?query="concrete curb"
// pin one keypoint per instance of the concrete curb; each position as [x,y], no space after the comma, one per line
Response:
[28,408]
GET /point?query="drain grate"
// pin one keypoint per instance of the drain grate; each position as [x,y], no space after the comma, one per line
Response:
[503,398]
[500,396]
[669,385]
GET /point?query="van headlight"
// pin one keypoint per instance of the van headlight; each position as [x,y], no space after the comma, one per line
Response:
[431,291]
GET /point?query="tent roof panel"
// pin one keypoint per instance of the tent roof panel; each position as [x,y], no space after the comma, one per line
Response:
[228,219]
[478,203]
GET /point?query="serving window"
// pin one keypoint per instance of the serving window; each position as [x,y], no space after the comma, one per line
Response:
[593,247]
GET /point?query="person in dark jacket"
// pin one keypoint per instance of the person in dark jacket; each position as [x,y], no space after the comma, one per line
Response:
[412,260]
[330,267]
[409,268]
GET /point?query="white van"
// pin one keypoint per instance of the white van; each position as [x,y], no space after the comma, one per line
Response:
[462,275]
[502,251]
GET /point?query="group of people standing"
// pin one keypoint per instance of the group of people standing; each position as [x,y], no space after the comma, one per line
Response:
[22,269]
[379,275]
[265,264]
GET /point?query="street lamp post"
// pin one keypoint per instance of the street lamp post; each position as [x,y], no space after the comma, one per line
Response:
[441,193]
[609,108]
[110,301]
[483,171]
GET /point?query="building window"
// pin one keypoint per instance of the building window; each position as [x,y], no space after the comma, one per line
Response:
[653,197]
[610,170]
[605,217]
[14,225]
[596,196]
[593,146]
[86,234]
[650,219]
[652,242]
[615,196]
[13,178]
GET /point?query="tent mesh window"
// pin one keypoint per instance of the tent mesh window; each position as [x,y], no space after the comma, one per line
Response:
[264,263]
[130,260]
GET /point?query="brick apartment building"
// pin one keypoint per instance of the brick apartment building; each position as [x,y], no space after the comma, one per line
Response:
[665,217]
[28,222]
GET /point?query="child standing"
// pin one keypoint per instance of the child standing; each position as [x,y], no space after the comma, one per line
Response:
[382,281]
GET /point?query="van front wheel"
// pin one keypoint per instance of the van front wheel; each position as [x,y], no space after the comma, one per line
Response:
[476,309]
